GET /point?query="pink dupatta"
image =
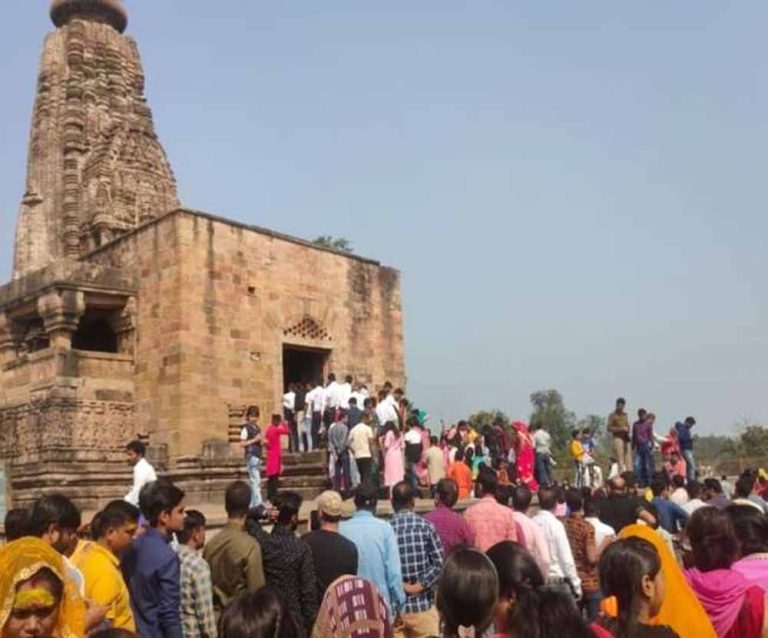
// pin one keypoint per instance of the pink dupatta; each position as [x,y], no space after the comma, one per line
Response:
[721,593]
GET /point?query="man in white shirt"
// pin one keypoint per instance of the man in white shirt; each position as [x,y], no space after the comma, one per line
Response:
[360,443]
[361,394]
[345,392]
[386,411]
[592,516]
[143,472]
[315,404]
[562,572]
[679,493]
[289,414]
[331,401]
[694,498]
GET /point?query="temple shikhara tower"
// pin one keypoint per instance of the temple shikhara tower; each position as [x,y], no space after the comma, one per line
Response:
[129,315]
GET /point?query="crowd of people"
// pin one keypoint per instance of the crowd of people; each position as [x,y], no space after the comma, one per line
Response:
[505,552]
[679,559]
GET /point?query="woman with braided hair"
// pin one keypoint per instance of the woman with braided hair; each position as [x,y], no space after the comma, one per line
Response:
[630,571]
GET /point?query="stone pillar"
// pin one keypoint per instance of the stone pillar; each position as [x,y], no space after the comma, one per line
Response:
[124,325]
[10,338]
[61,311]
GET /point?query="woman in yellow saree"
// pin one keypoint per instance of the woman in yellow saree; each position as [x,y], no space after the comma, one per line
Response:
[37,598]
[681,610]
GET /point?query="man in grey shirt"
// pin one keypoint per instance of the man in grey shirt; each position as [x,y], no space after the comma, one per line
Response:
[337,448]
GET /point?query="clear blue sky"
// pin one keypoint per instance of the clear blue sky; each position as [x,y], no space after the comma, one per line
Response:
[575,192]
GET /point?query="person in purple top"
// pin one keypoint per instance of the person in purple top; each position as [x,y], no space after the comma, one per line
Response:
[451,527]
[642,442]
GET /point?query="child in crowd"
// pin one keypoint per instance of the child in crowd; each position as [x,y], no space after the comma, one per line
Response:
[460,473]
[479,458]
[578,454]
[277,428]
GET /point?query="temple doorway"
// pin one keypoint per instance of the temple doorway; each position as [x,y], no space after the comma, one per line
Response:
[304,365]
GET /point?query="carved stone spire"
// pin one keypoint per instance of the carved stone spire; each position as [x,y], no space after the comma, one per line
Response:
[110,12]
[96,167]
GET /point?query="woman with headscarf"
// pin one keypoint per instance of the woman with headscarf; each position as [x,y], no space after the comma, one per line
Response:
[352,607]
[736,607]
[37,596]
[524,451]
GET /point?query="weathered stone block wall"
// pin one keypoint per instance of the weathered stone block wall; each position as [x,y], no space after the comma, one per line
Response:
[154,256]
[216,302]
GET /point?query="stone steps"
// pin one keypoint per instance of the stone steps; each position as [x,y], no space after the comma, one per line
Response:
[93,484]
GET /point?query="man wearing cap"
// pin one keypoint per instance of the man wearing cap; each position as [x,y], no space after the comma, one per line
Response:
[377,551]
[334,555]
[685,439]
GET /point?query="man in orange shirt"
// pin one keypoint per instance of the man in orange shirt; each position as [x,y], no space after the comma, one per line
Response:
[460,472]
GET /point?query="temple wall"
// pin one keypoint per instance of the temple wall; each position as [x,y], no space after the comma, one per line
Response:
[216,302]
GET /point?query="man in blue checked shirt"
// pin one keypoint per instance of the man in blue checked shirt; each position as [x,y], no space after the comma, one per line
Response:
[421,560]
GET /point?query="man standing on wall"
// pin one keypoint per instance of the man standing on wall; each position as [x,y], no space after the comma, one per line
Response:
[685,438]
[542,442]
[618,426]
[250,440]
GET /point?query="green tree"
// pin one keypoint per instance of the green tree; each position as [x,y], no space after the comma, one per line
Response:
[712,448]
[336,243]
[754,441]
[549,410]
[480,420]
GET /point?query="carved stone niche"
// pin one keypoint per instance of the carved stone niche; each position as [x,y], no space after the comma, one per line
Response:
[108,324]
[60,311]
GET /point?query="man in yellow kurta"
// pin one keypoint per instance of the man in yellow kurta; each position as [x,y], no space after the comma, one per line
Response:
[114,529]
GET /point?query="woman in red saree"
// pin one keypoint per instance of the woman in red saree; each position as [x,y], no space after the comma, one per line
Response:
[525,455]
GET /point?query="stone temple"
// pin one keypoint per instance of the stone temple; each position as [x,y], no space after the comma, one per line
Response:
[130,315]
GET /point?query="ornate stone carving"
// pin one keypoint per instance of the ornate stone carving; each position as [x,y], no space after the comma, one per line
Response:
[96,166]
[309,329]
[58,428]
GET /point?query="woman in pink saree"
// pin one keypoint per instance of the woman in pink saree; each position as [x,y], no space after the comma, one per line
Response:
[525,455]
